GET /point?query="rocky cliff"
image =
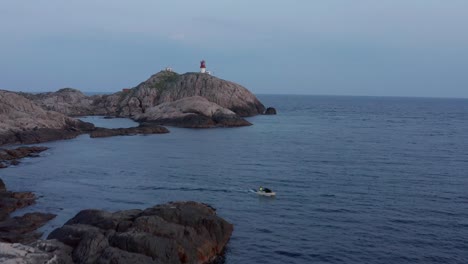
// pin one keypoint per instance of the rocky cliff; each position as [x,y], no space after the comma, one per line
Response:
[23,121]
[166,87]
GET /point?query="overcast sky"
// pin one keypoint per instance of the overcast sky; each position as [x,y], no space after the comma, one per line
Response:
[359,47]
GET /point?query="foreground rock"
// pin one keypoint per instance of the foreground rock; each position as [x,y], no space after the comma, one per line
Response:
[182,232]
[140,130]
[19,228]
[23,121]
[40,252]
[192,112]
[11,156]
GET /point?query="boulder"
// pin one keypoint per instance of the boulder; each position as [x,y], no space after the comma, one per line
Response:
[192,112]
[270,111]
[179,232]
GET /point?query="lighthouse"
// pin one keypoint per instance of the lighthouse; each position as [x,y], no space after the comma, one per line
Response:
[202,66]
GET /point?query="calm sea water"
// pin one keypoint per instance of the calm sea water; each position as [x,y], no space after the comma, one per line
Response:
[358,179]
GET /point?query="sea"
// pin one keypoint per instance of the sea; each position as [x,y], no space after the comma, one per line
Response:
[358,179]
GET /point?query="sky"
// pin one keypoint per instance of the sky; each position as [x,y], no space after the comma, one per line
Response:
[333,47]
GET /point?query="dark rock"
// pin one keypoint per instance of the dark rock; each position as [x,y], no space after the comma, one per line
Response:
[183,232]
[90,248]
[11,156]
[2,186]
[72,235]
[229,120]
[113,255]
[20,229]
[270,111]
[144,130]
[101,219]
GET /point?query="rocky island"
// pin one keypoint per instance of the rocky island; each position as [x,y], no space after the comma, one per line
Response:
[193,100]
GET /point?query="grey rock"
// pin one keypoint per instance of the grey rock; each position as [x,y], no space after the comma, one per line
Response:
[192,112]
[23,121]
[23,254]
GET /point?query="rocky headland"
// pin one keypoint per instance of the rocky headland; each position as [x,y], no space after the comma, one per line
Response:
[191,100]
[24,121]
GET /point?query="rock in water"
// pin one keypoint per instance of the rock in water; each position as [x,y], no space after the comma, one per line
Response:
[270,111]
[181,232]
[19,228]
[140,130]
[11,156]
[192,112]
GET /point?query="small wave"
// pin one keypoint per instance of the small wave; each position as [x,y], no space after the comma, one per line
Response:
[264,230]
[288,253]
[328,195]
[329,210]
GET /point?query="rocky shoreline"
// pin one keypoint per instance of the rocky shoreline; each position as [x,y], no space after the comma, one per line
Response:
[177,232]
[19,229]
[12,156]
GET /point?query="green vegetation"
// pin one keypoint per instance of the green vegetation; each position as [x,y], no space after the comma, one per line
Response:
[164,79]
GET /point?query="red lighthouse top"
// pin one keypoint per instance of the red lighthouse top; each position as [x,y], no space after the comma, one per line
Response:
[202,64]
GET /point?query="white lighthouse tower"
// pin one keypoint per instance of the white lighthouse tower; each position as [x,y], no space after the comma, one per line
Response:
[202,66]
